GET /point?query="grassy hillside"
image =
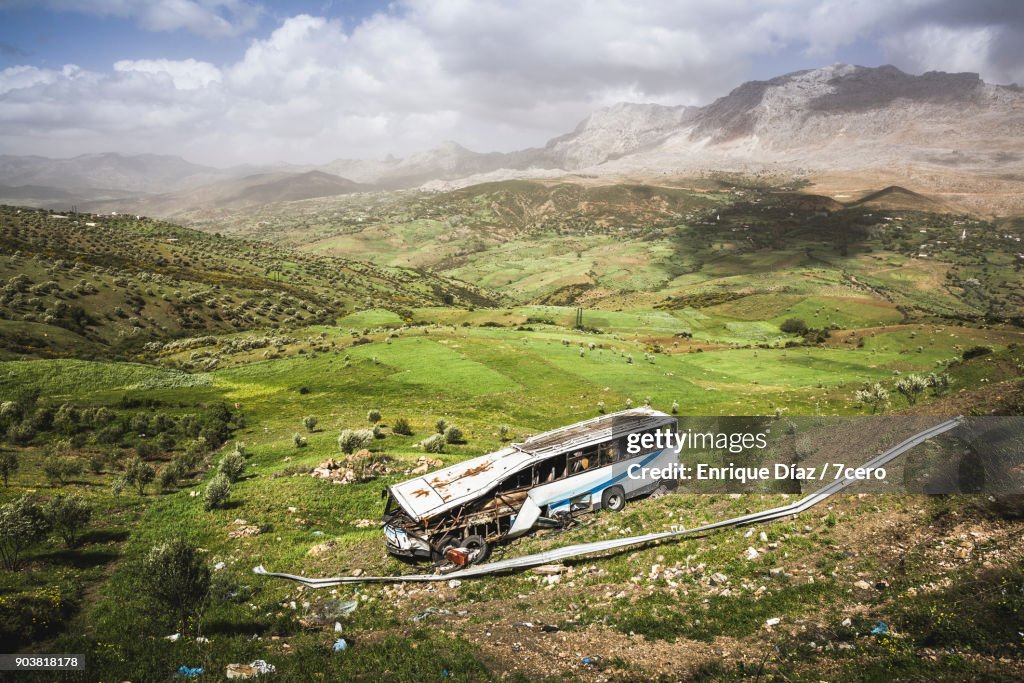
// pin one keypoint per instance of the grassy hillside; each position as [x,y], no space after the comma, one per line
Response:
[133,346]
[113,283]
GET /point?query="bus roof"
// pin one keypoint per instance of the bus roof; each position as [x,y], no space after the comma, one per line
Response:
[438,491]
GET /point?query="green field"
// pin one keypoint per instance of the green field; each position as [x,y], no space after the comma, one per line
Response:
[462,306]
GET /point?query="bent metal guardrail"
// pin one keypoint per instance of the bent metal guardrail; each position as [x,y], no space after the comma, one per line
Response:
[581,549]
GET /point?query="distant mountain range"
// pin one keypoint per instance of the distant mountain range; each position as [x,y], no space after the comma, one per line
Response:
[835,118]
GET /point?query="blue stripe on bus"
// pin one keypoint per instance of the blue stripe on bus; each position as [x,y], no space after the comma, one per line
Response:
[608,483]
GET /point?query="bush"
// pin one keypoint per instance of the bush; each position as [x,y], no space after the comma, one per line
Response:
[8,464]
[911,387]
[22,525]
[441,425]
[60,470]
[453,435]
[232,466]
[68,515]
[352,440]
[434,443]
[139,474]
[378,431]
[299,440]
[217,492]
[373,416]
[310,422]
[168,477]
[976,351]
[503,432]
[794,326]
[174,575]
[402,427]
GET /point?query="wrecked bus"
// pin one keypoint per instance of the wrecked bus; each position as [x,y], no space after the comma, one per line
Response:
[456,514]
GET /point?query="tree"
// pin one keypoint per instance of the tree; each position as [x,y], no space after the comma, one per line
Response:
[8,464]
[139,473]
[874,396]
[67,515]
[232,466]
[310,422]
[794,326]
[217,492]
[22,525]
[174,575]
[912,386]
[59,470]
[352,440]
[373,416]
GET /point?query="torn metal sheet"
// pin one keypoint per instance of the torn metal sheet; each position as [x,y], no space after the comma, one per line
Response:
[581,549]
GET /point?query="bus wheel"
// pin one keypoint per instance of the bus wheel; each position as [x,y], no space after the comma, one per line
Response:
[478,548]
[613,498]
[438,551]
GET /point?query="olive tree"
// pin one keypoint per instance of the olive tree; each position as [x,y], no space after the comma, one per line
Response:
[22,525]
[352,440]
[174,576]
[68,515]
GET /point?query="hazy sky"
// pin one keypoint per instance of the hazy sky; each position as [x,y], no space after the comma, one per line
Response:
[231,81]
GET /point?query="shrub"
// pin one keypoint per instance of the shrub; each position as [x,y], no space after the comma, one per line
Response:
[174,575]
[22,525]
[874,396]
[299,440]
[441,425]
[168,477]
[217,492]
[139,474]
[600,407]
[60,470]
[118,485]
[8,464]
[351,440]
[794,326]
[976,351]
[503,432]
[373,416]
[378,431]
[402,427]
[453,434]
[434,443]
[232,466]
[911,387]
[675,407]
[68,515]
[310,422]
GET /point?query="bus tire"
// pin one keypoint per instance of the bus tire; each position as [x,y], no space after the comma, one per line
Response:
[437,552]
[613,498]
[478,544]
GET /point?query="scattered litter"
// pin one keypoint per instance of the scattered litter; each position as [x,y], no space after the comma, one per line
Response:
[187,672]
[219,566]
[427,612]
[318,533]
[454,583]
[880,629]
[174,637]
[340,645]
[774,621]
[587,661]
[337,627]
[325,613]
[523,624]
[250,670]
[549,628]
[847,622]
[202,639]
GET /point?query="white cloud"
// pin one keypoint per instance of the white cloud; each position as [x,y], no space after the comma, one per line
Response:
[492,75]
[187,74]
